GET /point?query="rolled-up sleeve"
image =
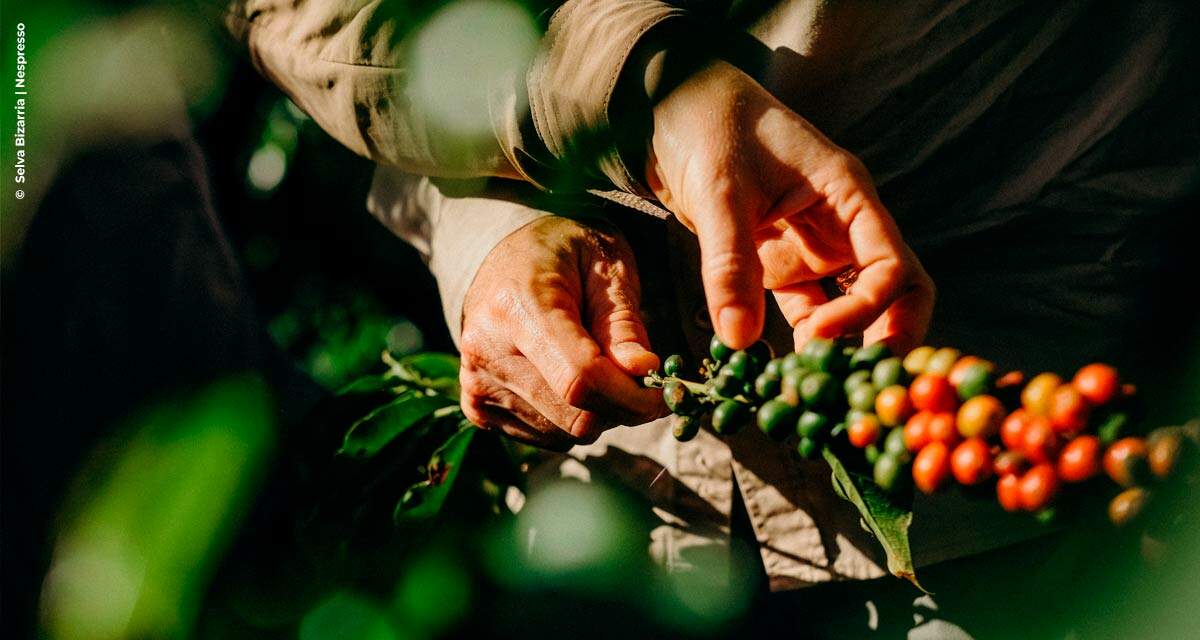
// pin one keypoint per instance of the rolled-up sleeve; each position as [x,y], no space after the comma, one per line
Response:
[348,64]
[453,234]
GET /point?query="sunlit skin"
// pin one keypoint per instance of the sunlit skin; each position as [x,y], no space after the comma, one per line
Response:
[552,349]
[552,339]
[775,204]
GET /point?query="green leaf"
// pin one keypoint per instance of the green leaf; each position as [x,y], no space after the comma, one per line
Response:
[883,516]
[370,384]
[370,434]
[437,371]
[424,500]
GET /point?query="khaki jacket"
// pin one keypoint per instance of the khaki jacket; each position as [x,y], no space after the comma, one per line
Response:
[1028,151]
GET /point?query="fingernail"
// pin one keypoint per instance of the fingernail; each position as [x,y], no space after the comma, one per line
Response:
[634,359]
[735,322]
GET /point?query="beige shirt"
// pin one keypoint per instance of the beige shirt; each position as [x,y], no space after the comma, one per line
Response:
[1009,140]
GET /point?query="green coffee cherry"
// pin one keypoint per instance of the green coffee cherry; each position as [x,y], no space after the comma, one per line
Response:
[894,443]
[718,350]
[726,385]
[866,358]
[862,397]
[760,354]
[792,362]
[673,365]
[976,381]
[678,399]
[818,389]
[790,386]
[872,453]
[821,354]
[887,372]
[776,418]
[766,385]
[854,379]
[888,470]
[685,428]
[729,417]
[811,425]
[774,367]
[740,366]
[807,448]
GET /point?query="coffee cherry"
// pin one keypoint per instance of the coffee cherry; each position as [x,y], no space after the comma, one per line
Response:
[971,461]
[818,389]
[888,470]
[1126,463]
[1167,448]
[943,429]
[1008,492]
[812,425]
[1012,430]
[854,379]
[767,385]
[1127,506]
[972,379]
[673,365]
[776,418]
[718,350]
[931,392]
[726,385]
[1010,463]
[863,431]
[678,399]
[887,372]
[862,397]
[931,467]
[942,361]
[729,417]
[685,428]
[807,448]
[1036,396]
[867,357]
[1039,443]
[1080,459]
[893,406]
[916,431]
[1068,410]
[740,366]
[980,417]
[1038,487]
[917,359]
[1098,383]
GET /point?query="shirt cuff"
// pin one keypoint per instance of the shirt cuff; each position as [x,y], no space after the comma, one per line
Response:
[453,234]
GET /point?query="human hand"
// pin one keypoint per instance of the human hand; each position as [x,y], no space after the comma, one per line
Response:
[775,204]
[552,338]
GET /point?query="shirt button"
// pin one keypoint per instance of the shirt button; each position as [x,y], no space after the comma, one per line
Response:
[700,317]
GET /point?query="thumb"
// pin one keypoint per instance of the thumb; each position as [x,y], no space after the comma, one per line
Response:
[612,295]
[732,274]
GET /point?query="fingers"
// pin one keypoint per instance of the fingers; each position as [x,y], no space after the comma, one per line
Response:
[903,325]
[578,373]
[798,302]
[612,307]
[501,401]
[732,274]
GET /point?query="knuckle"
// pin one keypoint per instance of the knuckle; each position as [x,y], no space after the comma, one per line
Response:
[578,385]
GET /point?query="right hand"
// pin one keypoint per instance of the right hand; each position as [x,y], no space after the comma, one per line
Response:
[553,346]
[775,204]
